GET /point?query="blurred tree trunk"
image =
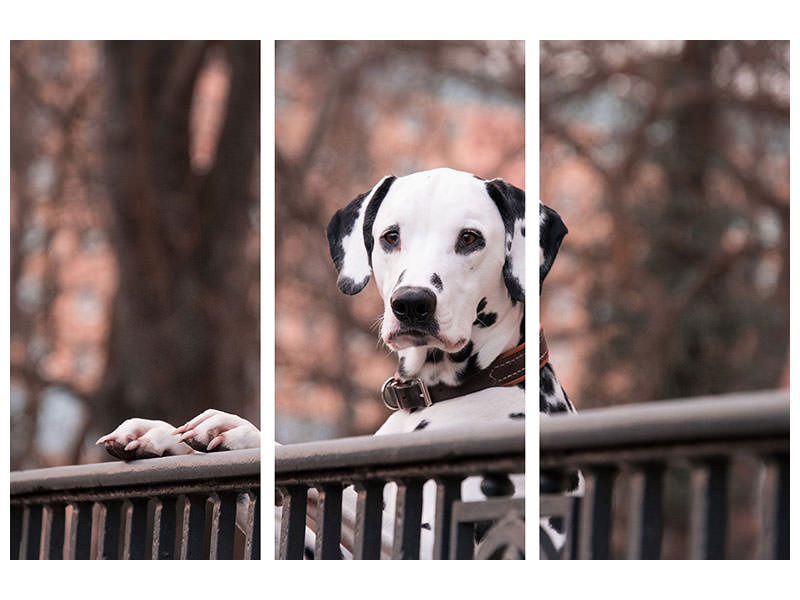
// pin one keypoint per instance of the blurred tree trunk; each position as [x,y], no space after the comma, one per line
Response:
[184,330]
[692,233]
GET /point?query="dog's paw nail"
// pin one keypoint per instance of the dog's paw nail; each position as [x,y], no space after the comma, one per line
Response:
[186,435]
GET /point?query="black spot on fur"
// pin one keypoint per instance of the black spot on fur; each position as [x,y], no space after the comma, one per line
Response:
[371,213]
[485,319]
[421,425]
[308,553]
[557,523]
[401,367]
[548,401]
[515,290]
[340,226]
[462,354]
[510,202]
[546,384]
[350,287]
[481,305]
[426,526]
[470,368]
[516,415]
[551,232]
[434,355]
[436,282]
[573,480]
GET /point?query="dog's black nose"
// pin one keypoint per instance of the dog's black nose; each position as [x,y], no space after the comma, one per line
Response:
[413,305]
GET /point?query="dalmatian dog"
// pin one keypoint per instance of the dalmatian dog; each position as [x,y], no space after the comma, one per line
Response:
[446,251]
[552,397]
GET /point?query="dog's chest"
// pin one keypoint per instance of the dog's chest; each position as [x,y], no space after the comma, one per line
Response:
[489,405]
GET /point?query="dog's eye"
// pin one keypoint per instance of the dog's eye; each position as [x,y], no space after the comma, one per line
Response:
[391,238]
[469,241]
[467,238]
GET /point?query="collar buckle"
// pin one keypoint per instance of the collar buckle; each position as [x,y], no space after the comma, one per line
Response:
[403,395]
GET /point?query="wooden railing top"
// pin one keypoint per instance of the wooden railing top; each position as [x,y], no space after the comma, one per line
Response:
[750,415]
[480,440]
[169,469]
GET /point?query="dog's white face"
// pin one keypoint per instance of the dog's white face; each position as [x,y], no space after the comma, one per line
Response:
[441,233]
[447,252]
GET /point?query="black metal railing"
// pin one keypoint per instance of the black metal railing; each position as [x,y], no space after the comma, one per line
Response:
[312,482]
[706,477]
[182,507]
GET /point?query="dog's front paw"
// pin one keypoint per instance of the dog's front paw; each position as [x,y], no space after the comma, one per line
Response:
[216,430]
[143,438]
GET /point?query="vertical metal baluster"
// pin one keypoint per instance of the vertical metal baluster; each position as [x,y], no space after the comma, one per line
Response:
[255,530]
[243,526]
[189,527]
[293,522]
[448,490]
[408,518]
[462,540]
[78,531]
[16,518]
[329,522]
[133,534]
[96,538]
[708,517]
[160,528]
[70,530]
[646,524]
[369,512]
[112,530]
[220,524]
[55,547]
[32,524]
[774,542]
[153,529]
[45,533]
[83,540]
[594,532]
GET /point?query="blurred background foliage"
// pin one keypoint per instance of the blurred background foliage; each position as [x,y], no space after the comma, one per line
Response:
[346,114]
[134,238]
[669,163]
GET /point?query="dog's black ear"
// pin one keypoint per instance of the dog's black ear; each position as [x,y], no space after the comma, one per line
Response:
[350,237]
[551,231]
[510,201]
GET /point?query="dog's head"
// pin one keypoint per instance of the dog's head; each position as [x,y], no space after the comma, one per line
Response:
[439,243]
[551,231]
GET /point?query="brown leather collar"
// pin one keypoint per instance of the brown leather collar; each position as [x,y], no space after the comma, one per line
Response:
[544,354]
[506,370]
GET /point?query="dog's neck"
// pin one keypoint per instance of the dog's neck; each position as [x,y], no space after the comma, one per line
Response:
[498,327]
